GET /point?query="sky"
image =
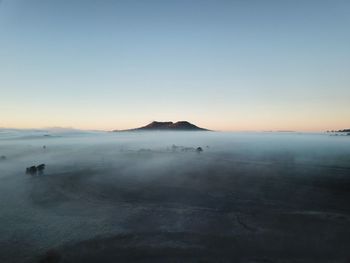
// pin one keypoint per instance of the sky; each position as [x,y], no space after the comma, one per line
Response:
[225,65]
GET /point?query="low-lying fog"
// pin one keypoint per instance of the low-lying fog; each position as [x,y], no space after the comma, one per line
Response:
[154,197]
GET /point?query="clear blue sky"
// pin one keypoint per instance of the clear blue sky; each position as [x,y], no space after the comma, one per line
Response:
[225,65]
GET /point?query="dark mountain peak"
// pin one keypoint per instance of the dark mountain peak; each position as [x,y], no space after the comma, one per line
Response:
[169,126]
[158,125]
[185,125]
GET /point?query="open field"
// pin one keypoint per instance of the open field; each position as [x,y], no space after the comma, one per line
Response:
[121,197]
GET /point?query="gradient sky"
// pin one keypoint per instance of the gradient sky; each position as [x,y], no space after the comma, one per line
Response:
[224,65]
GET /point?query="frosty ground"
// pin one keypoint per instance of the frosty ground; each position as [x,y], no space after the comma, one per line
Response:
[116,197]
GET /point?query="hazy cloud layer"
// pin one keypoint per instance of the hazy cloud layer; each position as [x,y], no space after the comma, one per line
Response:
[119,194]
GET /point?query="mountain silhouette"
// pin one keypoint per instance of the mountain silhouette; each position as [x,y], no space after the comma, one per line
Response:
[345,130]
[169,126]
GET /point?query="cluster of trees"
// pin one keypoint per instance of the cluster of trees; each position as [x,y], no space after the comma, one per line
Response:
[33,170]
[347,131]
[175,148]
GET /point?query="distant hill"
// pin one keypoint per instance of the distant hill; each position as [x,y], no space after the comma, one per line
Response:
[345,130]
[168,126]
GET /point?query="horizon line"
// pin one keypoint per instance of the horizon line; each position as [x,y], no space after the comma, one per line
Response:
[116,130]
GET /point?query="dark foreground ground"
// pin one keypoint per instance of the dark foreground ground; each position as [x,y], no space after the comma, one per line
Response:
[164,206]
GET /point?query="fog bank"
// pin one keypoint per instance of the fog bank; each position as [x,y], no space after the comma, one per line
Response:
[150,196]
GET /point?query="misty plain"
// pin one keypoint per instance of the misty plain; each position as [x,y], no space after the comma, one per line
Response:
[151,197]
